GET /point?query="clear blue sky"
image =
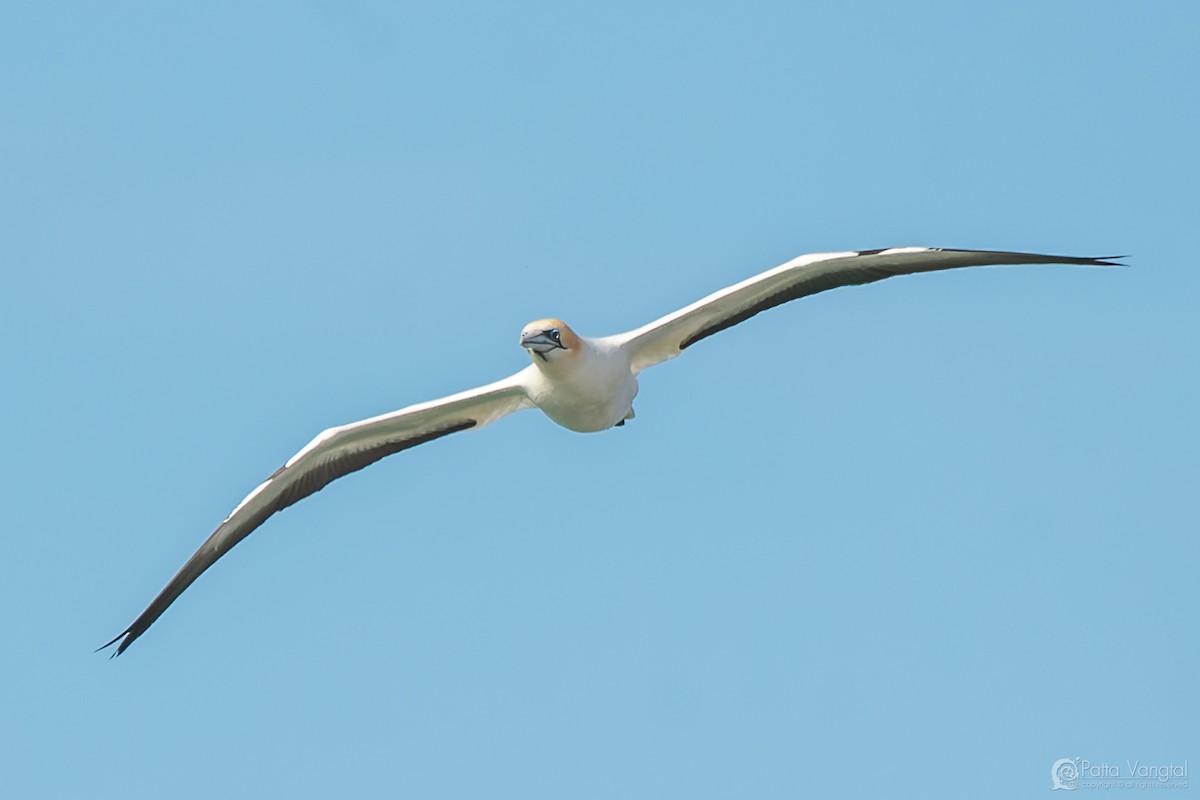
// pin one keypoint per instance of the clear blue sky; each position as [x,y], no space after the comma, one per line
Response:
[923,537]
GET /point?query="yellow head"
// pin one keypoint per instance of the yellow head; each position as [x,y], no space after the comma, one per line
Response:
[548,340]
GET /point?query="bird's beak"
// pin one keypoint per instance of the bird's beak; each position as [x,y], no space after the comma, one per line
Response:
[540,343]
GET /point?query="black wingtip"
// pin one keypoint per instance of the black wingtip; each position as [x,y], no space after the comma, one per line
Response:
[120,648]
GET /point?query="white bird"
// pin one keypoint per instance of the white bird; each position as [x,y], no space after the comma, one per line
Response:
[581,383]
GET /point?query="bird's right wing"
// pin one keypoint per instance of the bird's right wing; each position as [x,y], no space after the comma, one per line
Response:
[334,453]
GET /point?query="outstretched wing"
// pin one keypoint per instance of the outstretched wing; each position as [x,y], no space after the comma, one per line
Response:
[334,453]
[667,337]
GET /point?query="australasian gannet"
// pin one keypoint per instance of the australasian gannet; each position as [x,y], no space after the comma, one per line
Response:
[584,384]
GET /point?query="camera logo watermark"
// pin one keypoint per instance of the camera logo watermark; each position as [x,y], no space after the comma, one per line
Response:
[1070,774]
[1064,774]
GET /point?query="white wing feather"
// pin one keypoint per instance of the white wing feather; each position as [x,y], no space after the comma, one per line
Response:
[332,454]
[668,336]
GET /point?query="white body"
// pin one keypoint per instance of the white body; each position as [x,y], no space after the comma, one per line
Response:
[593,391]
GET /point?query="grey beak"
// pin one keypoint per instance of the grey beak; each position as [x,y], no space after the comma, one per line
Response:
[540,342]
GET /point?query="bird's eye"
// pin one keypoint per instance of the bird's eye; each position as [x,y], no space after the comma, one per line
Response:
[554,335]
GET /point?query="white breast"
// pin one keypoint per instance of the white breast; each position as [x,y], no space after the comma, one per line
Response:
[591,390]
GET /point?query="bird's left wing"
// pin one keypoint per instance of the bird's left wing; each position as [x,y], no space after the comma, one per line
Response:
[334,453]
[667,337]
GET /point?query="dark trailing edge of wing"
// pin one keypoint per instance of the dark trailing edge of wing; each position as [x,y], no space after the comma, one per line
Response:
[217,545]
[816,281]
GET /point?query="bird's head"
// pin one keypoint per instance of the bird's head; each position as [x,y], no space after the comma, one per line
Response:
[548,340]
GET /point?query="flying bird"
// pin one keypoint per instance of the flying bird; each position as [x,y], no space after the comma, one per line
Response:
[584,384]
